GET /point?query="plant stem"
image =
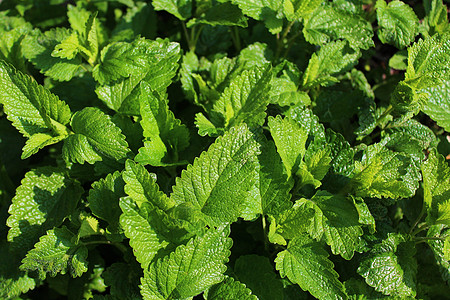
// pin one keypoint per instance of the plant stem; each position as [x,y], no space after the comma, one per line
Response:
[280,40]
[419,217]
[119,246]
[188,37]
[388,110]
[428,238]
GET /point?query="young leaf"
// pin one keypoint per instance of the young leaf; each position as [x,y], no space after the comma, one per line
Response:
[137,225]
[436,186]
[391,267]
[328,23]
[141,186]
[299,9]
[95,137]
[222,14]
[165,136]
[161,63]
[384,173]
[244,100]
[179,8]
[398,24]
[331,59]
[428,62]
[219,181]
[436,19]
[104,199]
[37,113]
[38,48]
[290,139]
[43,200]
[229,289]
[306,263]
[438,106]
[190,269]
[266,11]
[56,253]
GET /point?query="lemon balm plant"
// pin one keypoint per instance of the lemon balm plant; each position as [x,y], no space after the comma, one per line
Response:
[280,149]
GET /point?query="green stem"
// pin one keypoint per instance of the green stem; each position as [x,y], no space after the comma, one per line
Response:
[419,217]
[187,36]
[280,40]
[423,226]
[427,238]
[235,37]
[266,240]
[119,246]
[388,110]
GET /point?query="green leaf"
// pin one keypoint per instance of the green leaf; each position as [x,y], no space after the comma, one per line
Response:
[438,104]
[164,135]
[137,225]
[122,279]
[329,23]
[11,40]
[428,62]
[159,67]
[436,186]
[219,181]
[384,173]
[398,24]
[257,273]
[299,9]
[179,8]
[229,289]
[95,137]
[68,48]
[141,186]
[104,199]
[436,19]
[38,48]
[331,59]
[89,226]
[306,263]
[13,282]
[336,221]
[244,100]
[267,11]
[56,253]
[44,199]
[190,269]
[391,267]
[295,221]
[37,113]
[290,139]
[225,14]
[440,248]
[140,19]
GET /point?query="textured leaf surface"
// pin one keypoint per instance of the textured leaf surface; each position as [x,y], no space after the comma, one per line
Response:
[42,201]
[164,135]
[219,181]
[104,199]
[329,23]
[331,59]
[263,10]
[299,9]
[398,24]
[306,263]
[436,186]
[385,173]
[336,220]
[229,289]
[38,48]
[122,278]
[391,267]
[179,8]
[190,269]
[144,238]
[438,104]
[290,139]
[160,66]
[96,137]
[244,100]
[56,253]
[429,61]
[30,107]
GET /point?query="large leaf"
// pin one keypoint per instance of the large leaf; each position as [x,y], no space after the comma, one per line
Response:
[391,267]
[95,137]
[229,289]
[398,24]
[218,183]
[190,269]
[262,10]
[438,104]
[306,263]
[44,199]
